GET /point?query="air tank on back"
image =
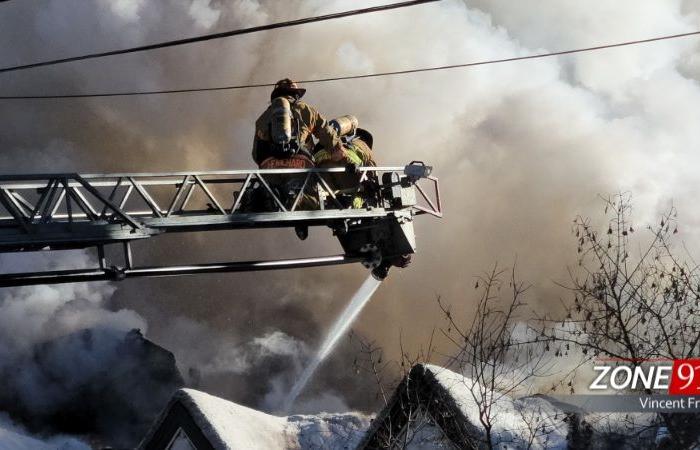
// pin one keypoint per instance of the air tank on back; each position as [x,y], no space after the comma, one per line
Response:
[281,129]
[345,125]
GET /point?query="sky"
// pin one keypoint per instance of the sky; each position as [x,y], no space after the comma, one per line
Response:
[520,149]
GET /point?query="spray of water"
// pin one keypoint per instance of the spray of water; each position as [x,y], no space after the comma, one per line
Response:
[340,327]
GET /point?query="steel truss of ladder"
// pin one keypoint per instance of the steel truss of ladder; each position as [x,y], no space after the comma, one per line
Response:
[69,210]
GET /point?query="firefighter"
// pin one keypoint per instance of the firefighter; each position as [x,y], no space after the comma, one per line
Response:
[362,147]
[357,151]
[306,122]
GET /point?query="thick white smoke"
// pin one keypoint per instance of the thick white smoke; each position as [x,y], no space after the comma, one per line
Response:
[217,364]
[520,148]
[32,318]
[35,314]
[211,354]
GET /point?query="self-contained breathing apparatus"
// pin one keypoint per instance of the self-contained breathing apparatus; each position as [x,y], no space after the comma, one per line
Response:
[356,154]
[345,126]
[285,130]
[284,150]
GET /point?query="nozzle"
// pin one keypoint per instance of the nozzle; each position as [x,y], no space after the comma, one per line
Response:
[373,258]
[302,232]
[380,272]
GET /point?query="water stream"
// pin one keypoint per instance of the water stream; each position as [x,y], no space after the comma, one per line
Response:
[340,327]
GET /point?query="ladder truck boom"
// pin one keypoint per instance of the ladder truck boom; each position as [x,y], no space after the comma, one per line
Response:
[48,212]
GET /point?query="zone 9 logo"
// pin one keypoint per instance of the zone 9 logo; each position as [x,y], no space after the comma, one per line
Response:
[685,377]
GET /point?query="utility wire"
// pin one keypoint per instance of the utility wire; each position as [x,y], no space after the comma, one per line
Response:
[356,77]
[208,37]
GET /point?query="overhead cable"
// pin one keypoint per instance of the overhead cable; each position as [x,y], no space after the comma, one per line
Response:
[355,77]
[224,34]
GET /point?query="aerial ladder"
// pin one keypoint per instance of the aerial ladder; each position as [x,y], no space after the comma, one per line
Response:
[49,212]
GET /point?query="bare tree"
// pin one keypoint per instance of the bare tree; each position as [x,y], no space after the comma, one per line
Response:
[407,419]
[495,358]
[633,299]
[497,364]
[538,425]
[370,360]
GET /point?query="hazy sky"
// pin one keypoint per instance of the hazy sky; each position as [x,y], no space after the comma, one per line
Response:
[520,149]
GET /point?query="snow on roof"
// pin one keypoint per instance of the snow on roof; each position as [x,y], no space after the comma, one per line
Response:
[510,417]
[229,426]
[329,431]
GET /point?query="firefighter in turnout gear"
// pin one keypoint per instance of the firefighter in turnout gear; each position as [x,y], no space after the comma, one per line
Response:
[357,148]
[357,152]
[285,131]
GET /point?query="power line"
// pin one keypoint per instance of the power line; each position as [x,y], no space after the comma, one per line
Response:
[356,77]
[224,34]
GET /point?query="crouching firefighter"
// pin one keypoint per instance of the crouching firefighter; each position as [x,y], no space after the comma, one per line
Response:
[356,152]
[356,145]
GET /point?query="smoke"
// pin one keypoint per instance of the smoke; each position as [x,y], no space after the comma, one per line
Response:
[60,350]
[520,148]
[216,365]
[72,363]
[13,436]
[239,360]
[32,315]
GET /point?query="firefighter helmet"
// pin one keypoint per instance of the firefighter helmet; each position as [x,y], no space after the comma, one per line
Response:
[365,135]
[287,87]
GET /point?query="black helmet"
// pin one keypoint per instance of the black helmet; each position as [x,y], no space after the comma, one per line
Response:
[365,135]
[287,87]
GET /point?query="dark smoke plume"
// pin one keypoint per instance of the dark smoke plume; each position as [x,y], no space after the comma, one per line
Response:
[99,383]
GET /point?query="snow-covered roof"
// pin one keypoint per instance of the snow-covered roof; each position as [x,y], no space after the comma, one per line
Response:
[513,419]
[328,431]
[230,426]
[448,401]
[444,399]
